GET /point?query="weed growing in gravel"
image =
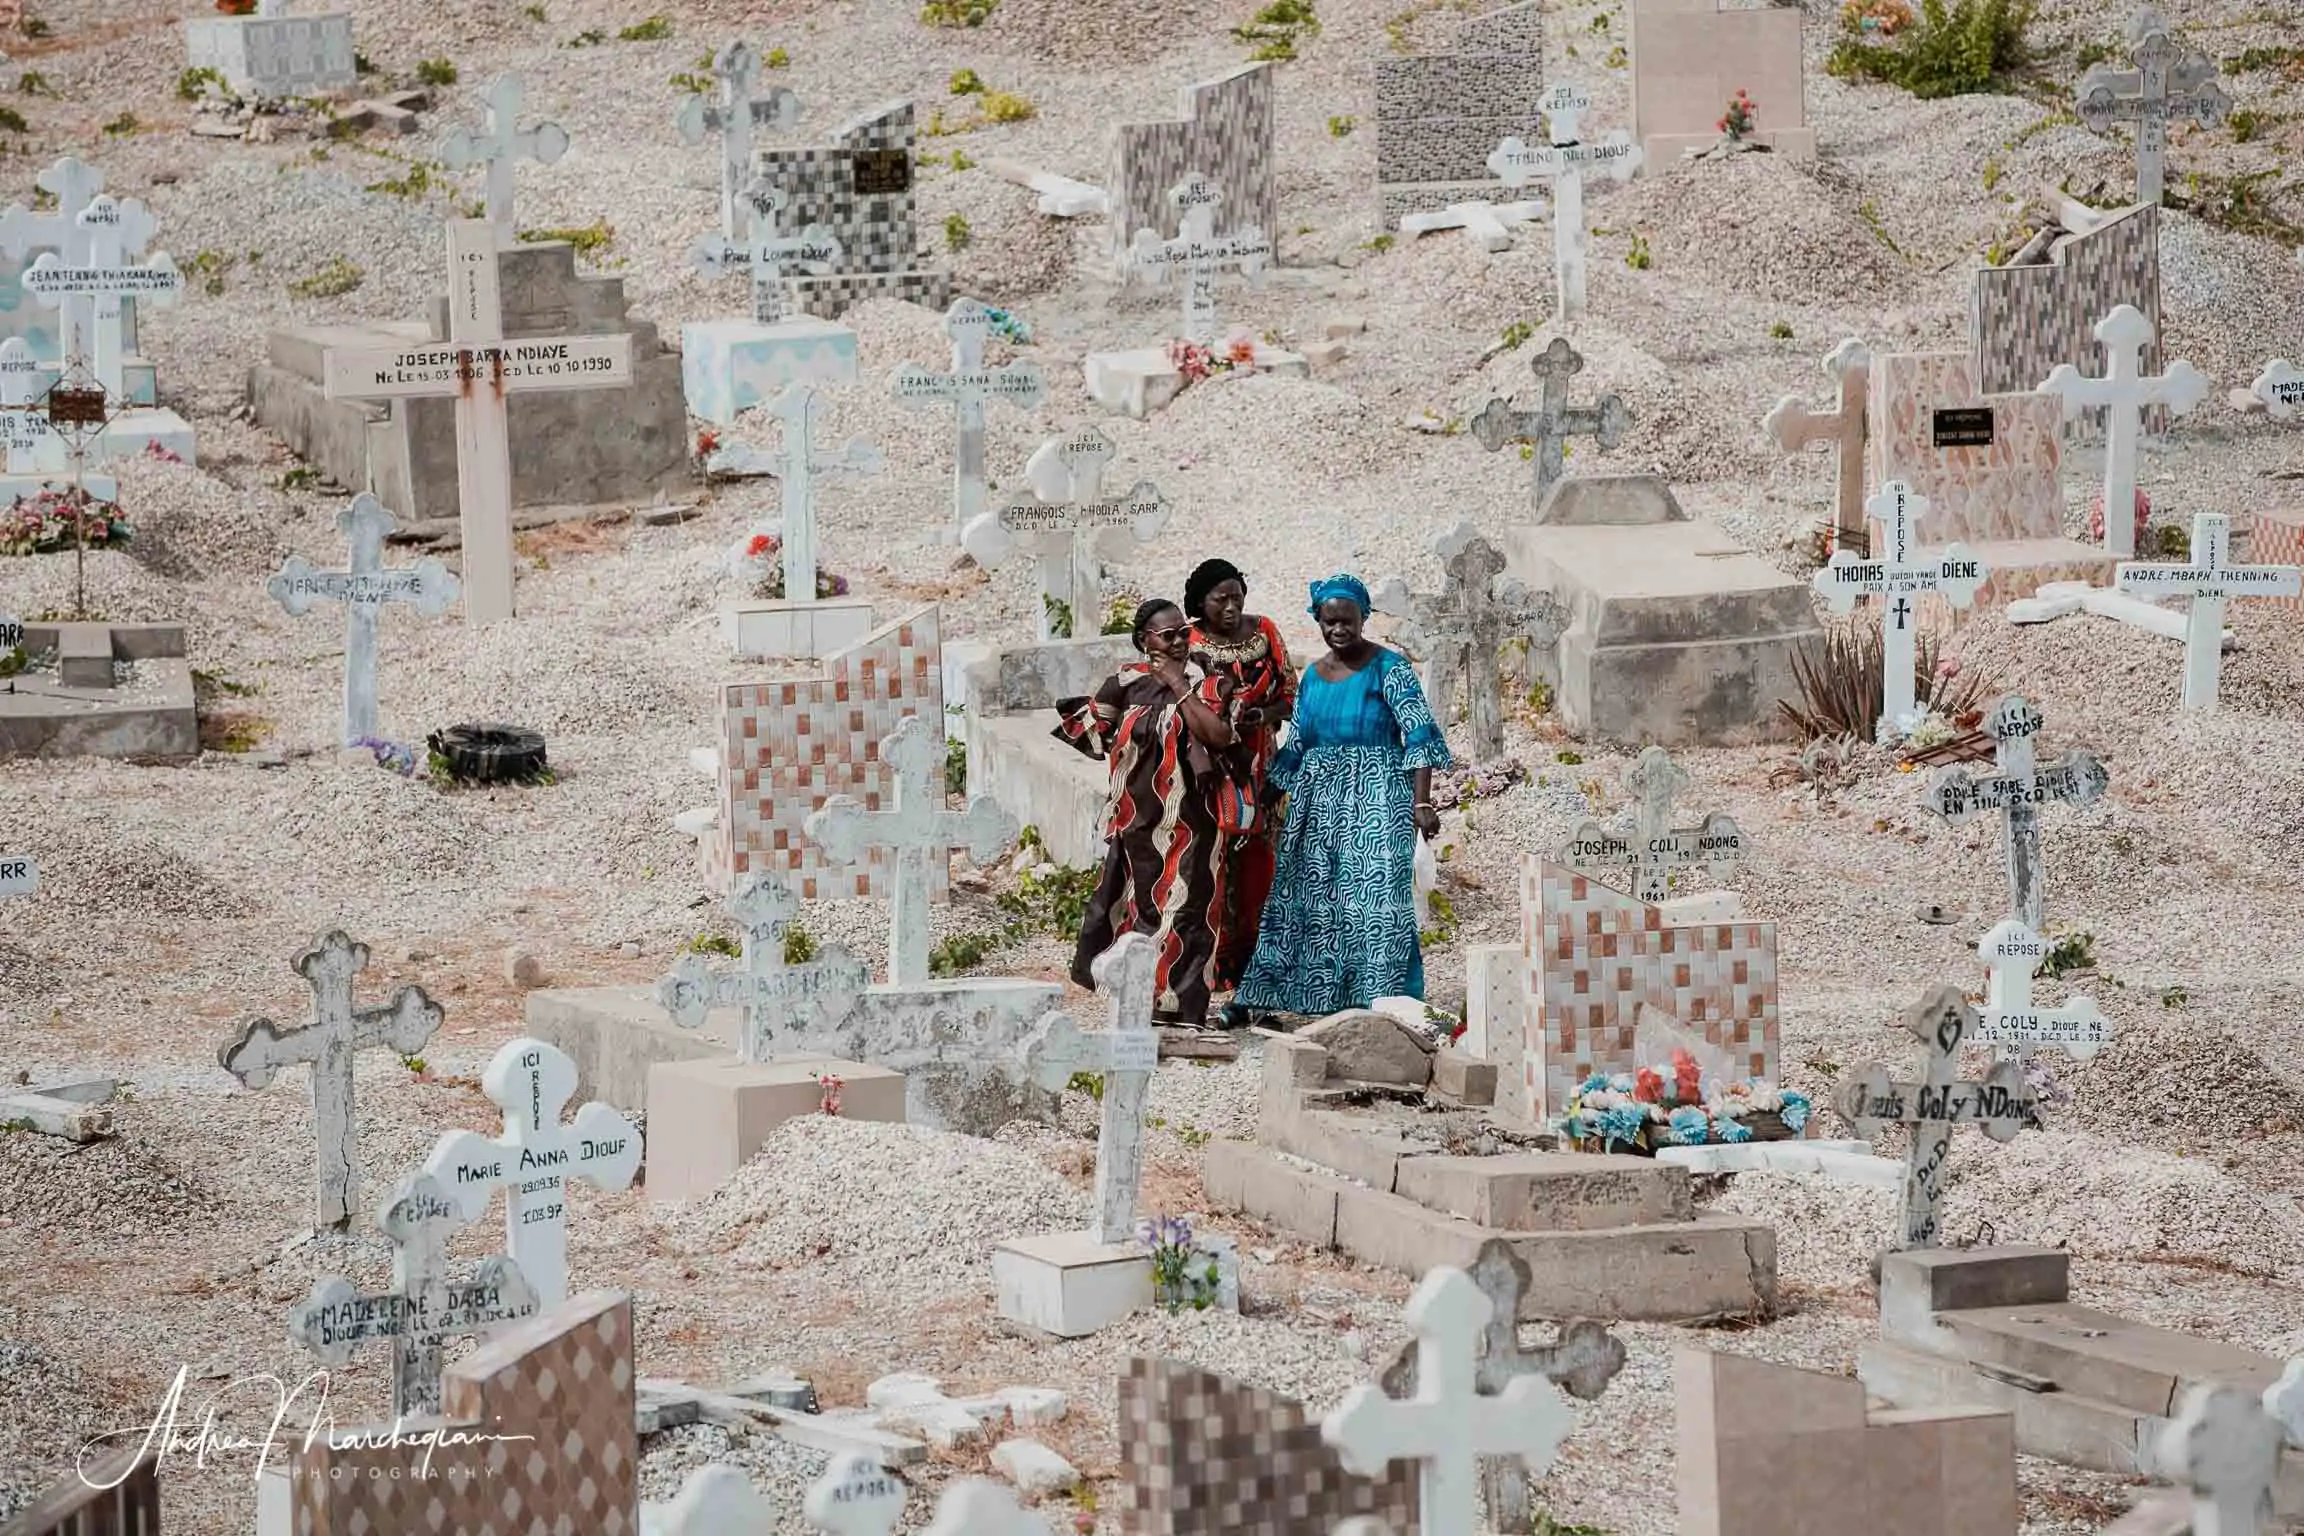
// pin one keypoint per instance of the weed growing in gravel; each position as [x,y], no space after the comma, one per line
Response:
[2288,58]
[1089,1083]
[590,37]
[1341,127]
[415,183]
[1637,258]
[301,478]
[2073,952]
[955,767]
[956,232]
[713,944]
[778,59]
[120,127]
[332,281]
[1952,48]
[2174,997]
[1568,759]
[1273,32]
[961,952]
[1869,212]
[533,12]
[1008,107]
[1780,330]
[34,83]
[589,239]
[2238,204]
[957,13]
[1379,243]
[654,30]
[966,82]
[800,945]
[436,72]
[1516,335]
[190,85]
[1616,57]
[34,27]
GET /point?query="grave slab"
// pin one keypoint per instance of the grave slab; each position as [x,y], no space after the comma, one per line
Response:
[101,690]
[707,1118]
[1068,1284]
[728,366]
[1839,1162]
[759,629]
[1140,382]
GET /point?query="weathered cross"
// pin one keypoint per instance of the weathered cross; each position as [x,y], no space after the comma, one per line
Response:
[22,426]
[535,1158]
[2281,387]
[1127,1052]
[765,253]
[95,285]
[423,1310]
[1487,224]
[1657,848]
[919,829]
[2211,582]
[2017,788]
[778,999]
[1563,162]
[977,1506]
[74,184]
[1793,427]
[796,465]
[2167,83]
[1554,420]
[856,1496]
[1066,522]
[364,590]
[503,143]
[2225,1449]
[1449,1424]
[2000,1106]
[479,368]
[717,1500]
[1199,254]
[2012,954]
[2284,1400]
[328,1042]
[741,110]
[966,388]
[1458,633]
[1900,572]
[2124,391]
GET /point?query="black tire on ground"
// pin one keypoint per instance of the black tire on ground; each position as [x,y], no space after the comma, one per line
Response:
[490,754]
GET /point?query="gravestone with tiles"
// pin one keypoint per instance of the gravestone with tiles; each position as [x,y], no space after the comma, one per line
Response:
[2026,320]
[1564,162]
[2010,1020]
[1222,131]
[26,233]
[2277,535]
[2124,392]
[1439,114]
[1065,522]
[92,689]
[1793,427]
[1690,56]
[966,389]
[1458,633]
[800,623]
[2168,83]
[2017,787]
[274,54]
[2209,580]
[1903,577]
[859,188]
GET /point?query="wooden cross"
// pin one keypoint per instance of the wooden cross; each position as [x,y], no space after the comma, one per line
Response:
[2018,788]
[856,1496]
[778,1000]
[1902,572]
[1657,848]
[796,464]
[1488,224]
[1064,519]
[503,143]
[1554,420]
[2012,954]
[966,388]
[2281,387]
[1793,427]
[328,1042]
[2167,83]
[364,589]
[1127,1052]
[1198,254]
[1458,633]
[1564,163]
[2210,581]
[2225,1448]
[740,111]
[765,253]
[2124,391]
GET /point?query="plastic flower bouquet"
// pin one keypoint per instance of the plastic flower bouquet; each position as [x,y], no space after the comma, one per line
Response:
[45,523]
[1183,1275]
[1736,122]
[1639,1111]
[762,559]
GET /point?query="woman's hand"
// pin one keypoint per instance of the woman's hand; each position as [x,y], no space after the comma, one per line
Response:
[1169,671]
[1427,821]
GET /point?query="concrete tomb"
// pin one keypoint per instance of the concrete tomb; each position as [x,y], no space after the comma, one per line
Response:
[1439,114]
[274,55]
[1690,56]
[1005,696]
[100,690]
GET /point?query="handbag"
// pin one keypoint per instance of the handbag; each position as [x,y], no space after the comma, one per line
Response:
[1236,811]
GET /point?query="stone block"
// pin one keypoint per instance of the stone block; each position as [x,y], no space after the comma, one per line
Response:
[1365,1046]
[1918,1283]
[707,1118]
[1462,1078]
[764,627]
[274,57]
[1040,781]
[1496,1018]
[1240,1177]
[1068,1284]
[1441,112]
[1134,383]
[1549,1191]
[1346,1143]
[1037,1471]
[728,366]
[101,690]
[1030,679]
[1840,1162]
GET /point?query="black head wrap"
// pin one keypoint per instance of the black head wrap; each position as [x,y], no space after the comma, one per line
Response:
[1206,577]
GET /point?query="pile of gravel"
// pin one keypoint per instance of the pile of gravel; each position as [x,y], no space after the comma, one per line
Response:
[2181,1079]
[121,1186]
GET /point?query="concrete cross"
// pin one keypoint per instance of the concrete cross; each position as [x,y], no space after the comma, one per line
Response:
[979,1507]
[1127,1052]
[23,427]
[2225,1448]
[423,1310]
[2210,581]
[1554,420]
[1564,163]
[1793,427]
[535,1158]
[1458,633]
[19,874]
[2000,1106]
[2017,788]
[766,253]
[478,368]
[90,280]
[1064,519]
[2281,387]
[364,589]
[2012,954]
[716,1500]
[741,110]
[778,1000]
[327,1043]
[2124,391]
[1488,224]
[2284,1400]
[1198,254]
[796,465]
[1449,1424]
[74,184]
[965,389]
[919,829]
[2167,83]
[1900,571]
[856,1496]
[1657,848]
[503,143]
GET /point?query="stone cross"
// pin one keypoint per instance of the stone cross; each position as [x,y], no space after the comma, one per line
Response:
[1871,1098]
[1067,522]
[2210,581]
[1449,1424]
[91,283]
[23,427]
[1198,254]
[2124,391]
[1127,1052]
[2284,1400]
[1657,848]
[479,368]
[1793,427]
[364,589]
[980,1507]
[741,110]
[19,875]
[327,1042]
[423,1310]
[2281,387]
[2017,789]
[856,1496]
[1487,224]
[766,253]
[2167,83]
[1458,633]
[1564,163]
[1898,572]
[778,1000]
[1554,420]
[503,143]
[2225,1449]
[74,185]
[796,465]
[965,389]
[2012,954]
[535,1158]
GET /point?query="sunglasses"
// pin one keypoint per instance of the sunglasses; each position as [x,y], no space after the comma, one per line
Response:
[1170,633]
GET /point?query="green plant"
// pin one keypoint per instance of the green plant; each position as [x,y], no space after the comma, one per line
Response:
[1843,688]
[1779,330]
[590,37]
[654,30]
[1194,1137]
[533,12]
[778,59]
[2247,123]
[1008,107]
[189,85]
[966,82]
[416,1064]
[1049,899]
[1120,615]
[120,127]
[14,122]
[1059,615]
[2285,57]
[332,281]
[1568,758]
[2236,203]
[15,660]
[800,945]
[362,65]
[1378,243]
[1517,334]
[1539,697]
[1869,212]
[692,83]
[955,767]
[2098,52]
[1341,127]
[1637,258]
[2073,952]
[34,83]
[435,72]
[1616,57]
[961,162]
[300,478]
[956,232]
[1541,1523]
[589,239]
[35,27]
[413,184]
[1089,1083]
[957,13]
[961,952]
[1443,929]
[1274,31]
[714,944]
[1952,48]
[2174,997]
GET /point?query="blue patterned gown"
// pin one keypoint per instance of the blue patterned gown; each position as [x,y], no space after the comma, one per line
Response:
[1339,929]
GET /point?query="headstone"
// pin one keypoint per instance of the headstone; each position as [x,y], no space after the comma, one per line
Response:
[2026,320]
[2281,387]
[1222,130]
[2012,954]
[2225,1449]
[1197,254]
[2017,788]
[1458,633]
[364,589]
[2210,580]
[2167,83]
[1564,163]
[504,142]
[856,1496]
[1690,56]
[19,875]
[1125,1054]
[1439,113]
[2124,391]
[738,110]
[965,389]
[1899,573]
[764,253]
[796,464]
[1554,421]
[1793,427]
[1064,520]
[24,427]
[1657,848]
[859,187]
[779,1000]
[327,1042]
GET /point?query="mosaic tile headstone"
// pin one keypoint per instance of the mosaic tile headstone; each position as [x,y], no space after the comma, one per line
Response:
[1223,131]
[1438,115]
[2027,321]
[859,188]
[1988,463]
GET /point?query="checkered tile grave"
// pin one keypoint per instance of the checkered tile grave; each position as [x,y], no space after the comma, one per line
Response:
[557,1387]
[787,747]
[1595,955]
[116,1495]
[1224,132]
[1204,1455]
[275,56]
[2278,539]
[2026,320]
[860,188]
[1439,116]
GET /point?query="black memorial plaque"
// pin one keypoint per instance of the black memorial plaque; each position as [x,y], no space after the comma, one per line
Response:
[1968,426]
[883,171]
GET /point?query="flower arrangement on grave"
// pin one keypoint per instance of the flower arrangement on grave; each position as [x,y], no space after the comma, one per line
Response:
[54,520]
[762,558]
[1182,1274]
[1882,18]
[2143,518]
[1736,122]
[830,1084]
[1642,1110]
[1483,782]
[236,7]
[155,449]
[1009,328]
[391,754]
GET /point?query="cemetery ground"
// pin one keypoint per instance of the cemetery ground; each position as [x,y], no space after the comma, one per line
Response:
[173,898]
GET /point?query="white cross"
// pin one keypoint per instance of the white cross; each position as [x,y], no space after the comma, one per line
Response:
[856,1496]
[1488,224]
[2167,82]
[503,143]
[2000,1106]
[535,1158]
[778,999]
[2281,387]
[1198,254]
[90,290]
[74,186]
[1793,427]
[2225,1448]
[328,1042]
[1899,572]
[766,254]
[920,830]
[716,1500]
[1458,633]
[364,589]
[24,428]
[966,388]
[2124,391]
[479,368]
[1554,420]
[2210,582]
[1068,524]
[979,1507]
[2017,789]
[2012,954]
[19,874]
[1127,1052]
[796,465]
[2284,1400]
[1564,163]
[423,1310]
[1448,1425]
[1657,848]
[741,111]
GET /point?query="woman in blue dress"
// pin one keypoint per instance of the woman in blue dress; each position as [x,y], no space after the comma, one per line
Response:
[1339,929]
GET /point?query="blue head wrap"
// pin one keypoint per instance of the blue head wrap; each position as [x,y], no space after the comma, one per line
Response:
[1341,585]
